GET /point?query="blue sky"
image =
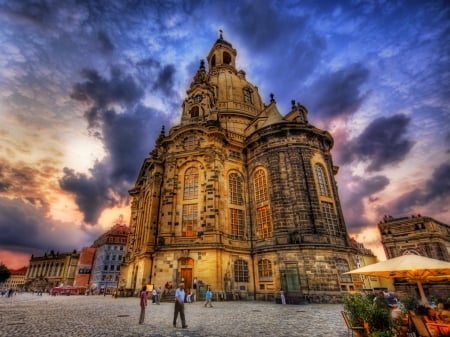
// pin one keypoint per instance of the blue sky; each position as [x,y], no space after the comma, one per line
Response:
[85,87]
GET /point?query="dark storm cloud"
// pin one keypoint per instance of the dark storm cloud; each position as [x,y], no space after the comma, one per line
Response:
[34,235]
[353,205]
[18,214]
[106,44]
[447,141]
[40,13]
[340,93]
[434,194]
[92,193]
[100,92]
[128,136]
[383,142]
[165,80]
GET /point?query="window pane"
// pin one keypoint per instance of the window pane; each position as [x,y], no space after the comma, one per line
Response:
[264,227]
[322,181]
[235,189]
[261,193]
[329,218]
[240,271]
[191,184]
[190,216]
[237,222]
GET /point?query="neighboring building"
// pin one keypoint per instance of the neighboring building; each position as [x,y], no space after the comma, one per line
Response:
[17,279]
[365,257]
[418,235]
[84,267]
[51,270]
[110,250]
[239,197]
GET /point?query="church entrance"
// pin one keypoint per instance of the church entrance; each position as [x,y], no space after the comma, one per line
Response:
[186,266]
[186,275]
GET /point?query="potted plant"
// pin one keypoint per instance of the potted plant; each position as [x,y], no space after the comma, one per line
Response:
[357,307]
[379,319]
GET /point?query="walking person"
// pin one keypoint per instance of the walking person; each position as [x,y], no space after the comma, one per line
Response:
[143,303]
[154,295]
[283,298]
[179,306]
[208,297]
[158,295]
[189,296]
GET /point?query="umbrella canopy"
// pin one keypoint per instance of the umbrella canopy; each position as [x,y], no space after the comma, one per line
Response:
[414,267]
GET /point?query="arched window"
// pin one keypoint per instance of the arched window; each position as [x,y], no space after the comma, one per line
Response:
[191,184]
[261,192]
[194,112]
[247,95]
[235,188]
[342,267]
[263,221]
[324,190]
[240,271]
[213,61]
[265,270]
[226,58]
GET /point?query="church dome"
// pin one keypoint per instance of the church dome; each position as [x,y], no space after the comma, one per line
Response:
[232,90]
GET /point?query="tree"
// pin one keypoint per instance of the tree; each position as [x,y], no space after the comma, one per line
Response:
[4,273]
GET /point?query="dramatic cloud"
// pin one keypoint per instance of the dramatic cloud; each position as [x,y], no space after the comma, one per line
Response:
[38,232]
[339,94]
[127,135]
[382,143]
[85,87]
[435,194]
[362,190]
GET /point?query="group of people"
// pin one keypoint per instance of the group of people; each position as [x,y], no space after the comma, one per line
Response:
[180,298]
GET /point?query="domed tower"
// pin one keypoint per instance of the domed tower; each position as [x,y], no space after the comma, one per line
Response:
[238,197]
[222,94]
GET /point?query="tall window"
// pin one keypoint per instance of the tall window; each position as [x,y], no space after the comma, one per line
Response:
[330,218]
[322,181]
[194,112]
[191,184]
[261,193]
[226,58]
[240,271]
[342,267]
[235,188]
[237,222]
[264,227]
[263,222]
[190,143]
[265,270]
[190,219]
[247,95]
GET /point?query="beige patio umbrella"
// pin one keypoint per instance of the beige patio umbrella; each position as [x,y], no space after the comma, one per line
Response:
[413,267]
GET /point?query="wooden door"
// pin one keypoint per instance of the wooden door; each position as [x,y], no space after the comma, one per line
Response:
[186,274]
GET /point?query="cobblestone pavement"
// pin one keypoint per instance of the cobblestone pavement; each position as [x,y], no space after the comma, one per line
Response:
[26,315]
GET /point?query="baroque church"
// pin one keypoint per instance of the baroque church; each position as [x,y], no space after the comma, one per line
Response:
[239,197]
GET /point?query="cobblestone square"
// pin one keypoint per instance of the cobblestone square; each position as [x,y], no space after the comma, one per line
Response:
[99,316]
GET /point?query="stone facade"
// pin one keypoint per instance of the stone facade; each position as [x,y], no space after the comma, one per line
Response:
[239,197]
[16,280]
[420,235]
[51,270]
